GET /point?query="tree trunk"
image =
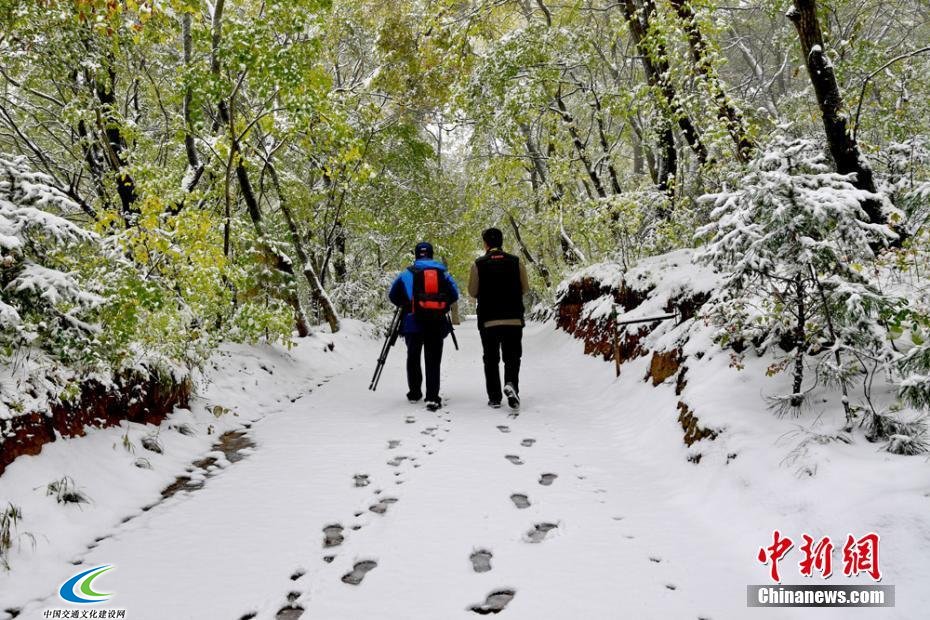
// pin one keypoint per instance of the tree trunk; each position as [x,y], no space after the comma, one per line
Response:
[539,161]
[579,145]
[282,262]
[339,258]
[193,159]
[843,146]
[539,267]
[638,157]
[703,65]
[769,100]
[800,343]
[317,292]
[655,64]
[602,137]
[114,144]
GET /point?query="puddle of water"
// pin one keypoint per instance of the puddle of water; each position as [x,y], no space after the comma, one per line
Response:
[231,443]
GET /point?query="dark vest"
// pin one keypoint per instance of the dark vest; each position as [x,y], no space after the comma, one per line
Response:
[500,293]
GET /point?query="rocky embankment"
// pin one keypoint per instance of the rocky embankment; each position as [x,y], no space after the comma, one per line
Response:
[594,304]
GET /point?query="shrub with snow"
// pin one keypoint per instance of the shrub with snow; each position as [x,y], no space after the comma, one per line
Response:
[45,310]
[40,299]
[797,249]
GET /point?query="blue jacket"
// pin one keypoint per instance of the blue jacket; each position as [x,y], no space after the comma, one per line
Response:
[401,292]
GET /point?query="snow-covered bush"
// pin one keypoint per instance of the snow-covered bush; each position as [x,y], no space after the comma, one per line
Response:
[173,293]
[797,249]
[364,295]
[65,491]
[905,181]
[906,178]
[42,303]
[646,223]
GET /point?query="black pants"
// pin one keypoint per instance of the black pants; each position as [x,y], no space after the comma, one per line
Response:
[430,343]
[505,341]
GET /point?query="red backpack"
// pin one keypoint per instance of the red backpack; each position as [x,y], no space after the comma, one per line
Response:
[431,294]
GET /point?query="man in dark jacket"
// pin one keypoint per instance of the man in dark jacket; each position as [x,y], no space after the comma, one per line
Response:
[426,291]
[498,281]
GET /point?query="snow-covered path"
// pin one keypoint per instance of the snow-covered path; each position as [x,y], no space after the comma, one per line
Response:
[631,540]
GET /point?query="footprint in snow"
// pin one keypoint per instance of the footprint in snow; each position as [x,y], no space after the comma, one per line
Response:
[329,558]
[547,479]
[513,458]
[332,535]
[655,559]
[481,560]
[671,586]
[410,419]
[358,572]
[520,500]
[361,480]
[502,428]
[393,443]
[397,460]
[382,506]
[539,532]
[297,574]
[290,612]
[527,442]
[494,603]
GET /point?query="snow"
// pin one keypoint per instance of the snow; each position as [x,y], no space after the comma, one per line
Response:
[634,516]
[51,285]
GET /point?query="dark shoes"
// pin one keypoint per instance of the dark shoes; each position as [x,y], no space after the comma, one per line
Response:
[494,404]
[513,399]
[414,398]
[433,405]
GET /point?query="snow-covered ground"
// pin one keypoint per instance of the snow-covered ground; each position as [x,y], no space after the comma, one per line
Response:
[640,532]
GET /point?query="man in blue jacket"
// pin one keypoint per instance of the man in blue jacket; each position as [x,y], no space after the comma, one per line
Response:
[426,291]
